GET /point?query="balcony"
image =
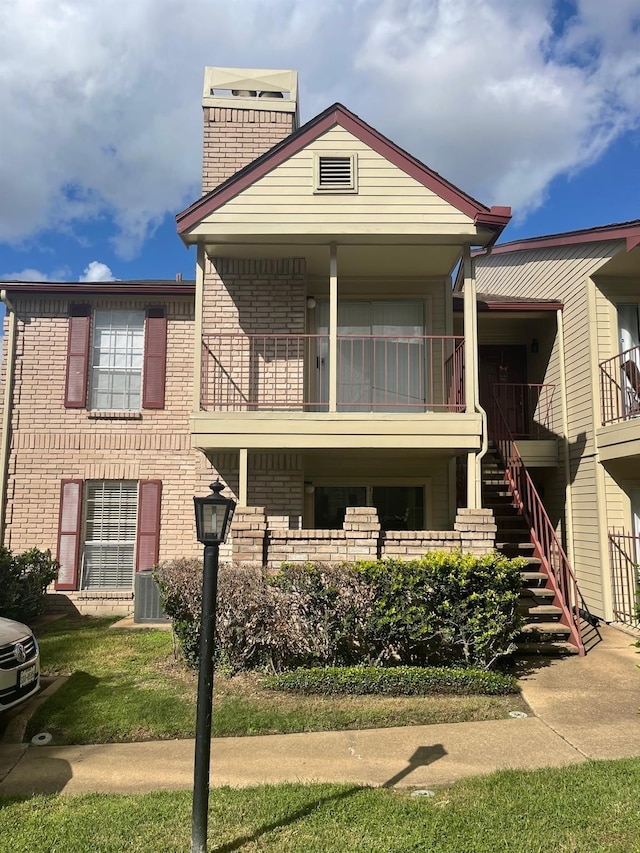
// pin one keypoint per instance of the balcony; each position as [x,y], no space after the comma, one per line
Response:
[278,385]
[619,435]
[272,373]
[624,551]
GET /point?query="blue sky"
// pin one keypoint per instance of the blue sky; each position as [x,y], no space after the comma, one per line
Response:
[535,105]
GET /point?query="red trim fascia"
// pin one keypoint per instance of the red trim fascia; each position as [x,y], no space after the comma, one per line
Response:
[510,306]
[54,288]
[340,115]
[629,232]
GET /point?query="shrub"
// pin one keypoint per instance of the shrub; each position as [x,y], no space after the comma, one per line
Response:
[24,579]
[450,608]
[393,681]
[444,607]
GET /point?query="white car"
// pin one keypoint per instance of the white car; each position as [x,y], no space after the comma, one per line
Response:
[19,663]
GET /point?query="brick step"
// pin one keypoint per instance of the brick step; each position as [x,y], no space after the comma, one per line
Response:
[540,610]
[552,648]
[554,628]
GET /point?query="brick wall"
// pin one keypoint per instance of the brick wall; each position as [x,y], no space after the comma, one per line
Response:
[233,138]
[50,443]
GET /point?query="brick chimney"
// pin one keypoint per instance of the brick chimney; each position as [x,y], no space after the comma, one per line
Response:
[246,112]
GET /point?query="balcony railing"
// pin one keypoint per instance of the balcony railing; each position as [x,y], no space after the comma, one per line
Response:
[620,386]
[527,408]
[413,373]
[624,550]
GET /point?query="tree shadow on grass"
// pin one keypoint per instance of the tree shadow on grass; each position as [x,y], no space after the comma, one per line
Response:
[312,806]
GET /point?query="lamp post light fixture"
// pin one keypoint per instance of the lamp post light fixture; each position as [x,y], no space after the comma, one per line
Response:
[213,520]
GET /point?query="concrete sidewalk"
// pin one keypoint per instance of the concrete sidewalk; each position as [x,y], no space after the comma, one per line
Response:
[584,708]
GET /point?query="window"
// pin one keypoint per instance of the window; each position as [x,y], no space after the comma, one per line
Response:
[336,173]
[116,359]
[111,508]
[108,530]
[116,368]
[399,507]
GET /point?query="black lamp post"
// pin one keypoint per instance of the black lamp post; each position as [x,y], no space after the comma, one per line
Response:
[213,520]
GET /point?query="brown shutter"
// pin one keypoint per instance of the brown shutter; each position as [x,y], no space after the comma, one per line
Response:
[155,359]
[69,534]
[75,394]
[148,538]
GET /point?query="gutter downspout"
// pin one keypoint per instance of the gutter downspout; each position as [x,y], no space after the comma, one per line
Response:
[5,441]
[483,414]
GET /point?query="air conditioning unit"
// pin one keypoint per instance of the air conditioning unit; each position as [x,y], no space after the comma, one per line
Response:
[146,600]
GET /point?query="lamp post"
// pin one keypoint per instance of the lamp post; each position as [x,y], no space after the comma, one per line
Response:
[213,520]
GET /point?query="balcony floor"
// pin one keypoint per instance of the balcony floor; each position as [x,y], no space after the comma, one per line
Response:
[457,432]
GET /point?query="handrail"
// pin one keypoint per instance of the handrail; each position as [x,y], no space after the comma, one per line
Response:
[620,386]
[555,562]
[623,560]
[528,408]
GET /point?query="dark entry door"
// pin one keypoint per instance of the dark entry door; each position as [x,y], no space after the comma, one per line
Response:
[505,367]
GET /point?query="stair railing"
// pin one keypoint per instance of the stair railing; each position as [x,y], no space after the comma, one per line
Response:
[555,562]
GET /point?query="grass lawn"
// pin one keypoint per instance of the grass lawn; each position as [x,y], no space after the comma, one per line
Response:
[128,686]
[577,809]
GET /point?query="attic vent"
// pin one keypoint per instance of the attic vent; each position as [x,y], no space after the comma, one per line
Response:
[336,173]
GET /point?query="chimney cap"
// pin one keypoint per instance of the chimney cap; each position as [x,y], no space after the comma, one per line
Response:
[238,88]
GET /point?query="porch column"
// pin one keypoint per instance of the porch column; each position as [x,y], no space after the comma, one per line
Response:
[197,334]
[243,477]
[333,327]
[470,372]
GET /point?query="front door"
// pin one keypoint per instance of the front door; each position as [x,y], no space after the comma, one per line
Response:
[503,376]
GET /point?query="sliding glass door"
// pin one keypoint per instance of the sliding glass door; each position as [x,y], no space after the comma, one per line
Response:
[381,356]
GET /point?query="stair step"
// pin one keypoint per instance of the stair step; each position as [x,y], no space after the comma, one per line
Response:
[541,610]
[536,592]
[549,647]
[533,576]
[544,628]
[515,546]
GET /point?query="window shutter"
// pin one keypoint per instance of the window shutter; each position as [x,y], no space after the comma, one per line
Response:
[148,539]
[69,534]
[155,359]
[75,395]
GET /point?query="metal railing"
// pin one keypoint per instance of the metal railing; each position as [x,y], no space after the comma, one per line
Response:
[555,563]
[412,373]
[620,386]
[528,408]
[623,560]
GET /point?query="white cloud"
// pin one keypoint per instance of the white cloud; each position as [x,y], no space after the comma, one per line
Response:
[30,274]
[97,271]
[103,99]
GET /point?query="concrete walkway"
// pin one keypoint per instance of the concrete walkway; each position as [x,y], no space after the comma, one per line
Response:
[583,708]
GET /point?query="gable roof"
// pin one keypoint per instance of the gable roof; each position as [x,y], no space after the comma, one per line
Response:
[629,231]
[493,218]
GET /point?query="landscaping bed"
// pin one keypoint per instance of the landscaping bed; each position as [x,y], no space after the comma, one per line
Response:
[128,685]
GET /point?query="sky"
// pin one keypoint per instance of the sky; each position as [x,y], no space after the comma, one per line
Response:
[534,104]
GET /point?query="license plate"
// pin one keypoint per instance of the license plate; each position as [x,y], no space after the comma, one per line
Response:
[26,676]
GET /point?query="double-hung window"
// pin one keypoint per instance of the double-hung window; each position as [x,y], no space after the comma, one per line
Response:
[116,359]
[108,530]
[111,510]
[116,368]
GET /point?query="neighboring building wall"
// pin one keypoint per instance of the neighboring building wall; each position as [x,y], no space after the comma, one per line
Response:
[233,138]
[563,273]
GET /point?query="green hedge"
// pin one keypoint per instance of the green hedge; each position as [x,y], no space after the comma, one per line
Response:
[446,608]
[393,681]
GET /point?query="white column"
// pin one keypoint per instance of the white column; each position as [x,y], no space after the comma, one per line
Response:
[243,476]
[197,334]
[470,371]
[333,327]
